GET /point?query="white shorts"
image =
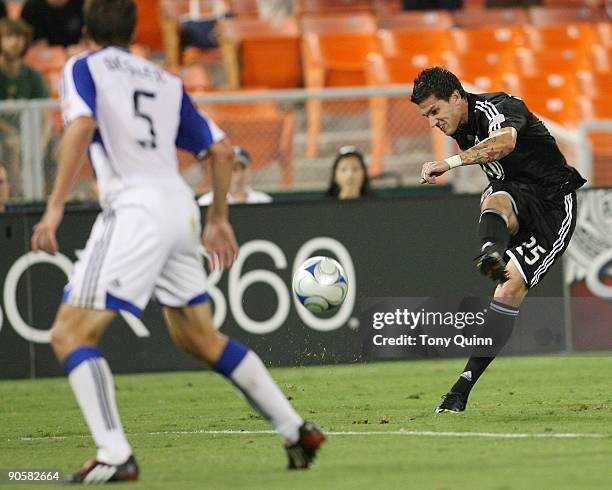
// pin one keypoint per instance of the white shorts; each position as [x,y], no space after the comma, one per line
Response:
[147,240]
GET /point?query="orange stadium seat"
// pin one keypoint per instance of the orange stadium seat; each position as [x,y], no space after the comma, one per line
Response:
[560,108]
[333,60]
[252,49]
[148,27]
[245,8]
[551,15]
[531,62]
[388,120]
[596,83]
[483,69]
[474,4]
[358,23]
[335,50]
[317,7]
[604,34]
[500,38]
[405,20]
[406,43]
[46,58]
[262,128]
[386,7]
[489,17]
[602,58]
[558,37]
[599,107]
[551,84]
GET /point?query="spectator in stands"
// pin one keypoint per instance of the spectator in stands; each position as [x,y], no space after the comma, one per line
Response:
[432,4]
[5,188]
[17,81]
[56,22]
[240,192]
[349,176]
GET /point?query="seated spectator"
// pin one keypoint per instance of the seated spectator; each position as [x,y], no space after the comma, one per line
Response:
[240,192]
[17,81]
[349,176]
[5,188]
[432,4]
[56,22]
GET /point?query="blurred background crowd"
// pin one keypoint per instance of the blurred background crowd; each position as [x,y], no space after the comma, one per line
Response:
[315,93]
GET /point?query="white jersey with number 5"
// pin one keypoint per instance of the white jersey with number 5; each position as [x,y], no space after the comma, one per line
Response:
[147,239]
[142,112]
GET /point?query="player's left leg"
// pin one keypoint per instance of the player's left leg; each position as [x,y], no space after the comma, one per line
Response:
[498,325]
[74,338]
[192,329]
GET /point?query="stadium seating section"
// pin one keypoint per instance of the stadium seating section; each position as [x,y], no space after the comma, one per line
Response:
[558,57]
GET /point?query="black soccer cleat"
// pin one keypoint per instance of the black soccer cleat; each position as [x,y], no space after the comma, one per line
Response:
[452,402]
[95,472]
[491,264]
[302,453]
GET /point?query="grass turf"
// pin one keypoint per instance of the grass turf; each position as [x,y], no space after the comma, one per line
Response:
[542,395]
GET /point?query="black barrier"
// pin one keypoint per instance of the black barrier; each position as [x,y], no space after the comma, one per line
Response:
[400,247]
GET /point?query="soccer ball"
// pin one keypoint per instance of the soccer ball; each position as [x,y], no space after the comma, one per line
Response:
[320,284]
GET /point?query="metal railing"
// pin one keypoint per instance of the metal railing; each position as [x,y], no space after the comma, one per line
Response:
[294,134]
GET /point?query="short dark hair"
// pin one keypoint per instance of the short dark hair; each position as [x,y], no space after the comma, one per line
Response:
[17,27]
[438,82]
[110,22]
[347,151]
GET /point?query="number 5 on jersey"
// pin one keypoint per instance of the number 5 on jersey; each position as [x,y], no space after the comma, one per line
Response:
[150,143]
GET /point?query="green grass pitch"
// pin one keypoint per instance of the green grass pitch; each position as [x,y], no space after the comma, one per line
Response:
[169,418]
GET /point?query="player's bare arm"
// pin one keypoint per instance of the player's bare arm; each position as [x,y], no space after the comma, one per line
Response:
[218,236]
[73,149]
[499,144]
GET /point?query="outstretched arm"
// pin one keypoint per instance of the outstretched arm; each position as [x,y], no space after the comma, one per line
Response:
[499,144]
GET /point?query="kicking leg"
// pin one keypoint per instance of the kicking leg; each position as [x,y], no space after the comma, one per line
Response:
[74,336]
[498,221]
[499,322]
[192,329]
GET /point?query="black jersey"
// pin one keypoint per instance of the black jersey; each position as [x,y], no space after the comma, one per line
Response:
[536,158]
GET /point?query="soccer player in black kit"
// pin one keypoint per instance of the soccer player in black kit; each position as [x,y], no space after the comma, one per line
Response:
[528,211]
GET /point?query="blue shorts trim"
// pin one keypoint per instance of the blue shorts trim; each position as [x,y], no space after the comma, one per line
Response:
[114,303]
[200,298]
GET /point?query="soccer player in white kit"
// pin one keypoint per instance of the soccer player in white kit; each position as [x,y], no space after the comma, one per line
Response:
[131,115]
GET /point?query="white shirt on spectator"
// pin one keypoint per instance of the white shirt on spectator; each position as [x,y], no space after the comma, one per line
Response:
[253,197]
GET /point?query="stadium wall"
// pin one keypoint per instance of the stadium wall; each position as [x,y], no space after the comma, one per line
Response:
[413,247]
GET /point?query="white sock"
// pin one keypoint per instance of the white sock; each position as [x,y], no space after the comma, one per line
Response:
[94,389]
[254,380]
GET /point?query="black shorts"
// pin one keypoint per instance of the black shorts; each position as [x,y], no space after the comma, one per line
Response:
[546,224]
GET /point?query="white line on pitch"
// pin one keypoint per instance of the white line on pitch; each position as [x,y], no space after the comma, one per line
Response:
[413,433]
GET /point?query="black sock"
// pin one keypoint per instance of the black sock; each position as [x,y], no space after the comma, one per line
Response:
[493,228]
[498,325]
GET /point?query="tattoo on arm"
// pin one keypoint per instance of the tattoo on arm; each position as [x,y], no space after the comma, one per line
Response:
[491,149]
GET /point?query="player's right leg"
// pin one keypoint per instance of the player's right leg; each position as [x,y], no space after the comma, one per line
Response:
[74,338]
[192,329]
[498,221]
